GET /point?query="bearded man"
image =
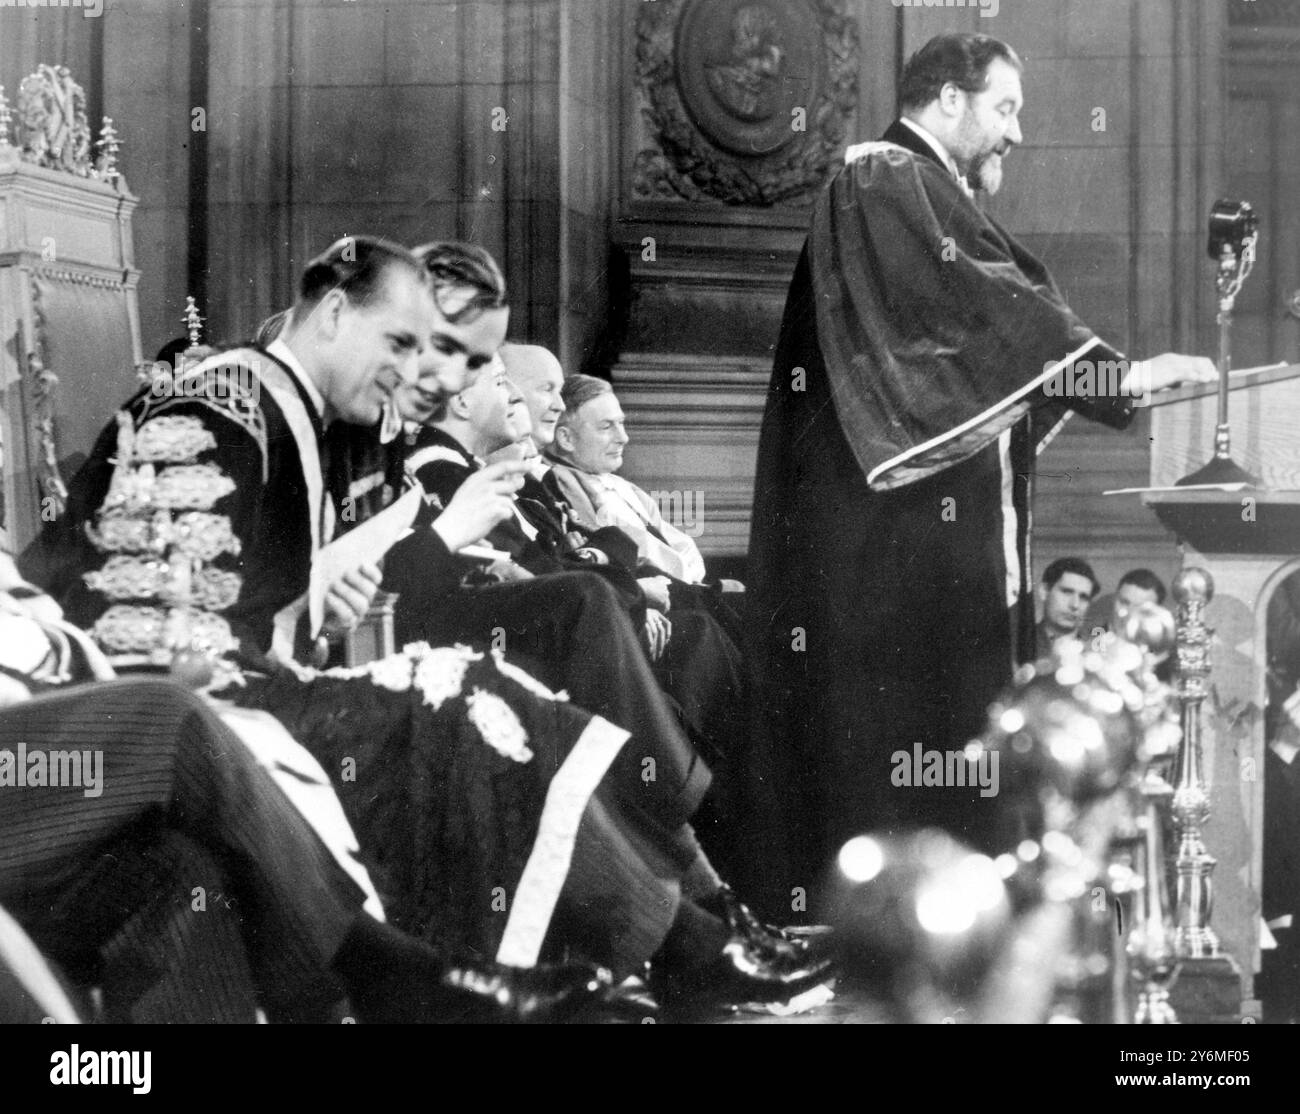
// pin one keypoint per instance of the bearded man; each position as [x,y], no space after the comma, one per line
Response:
[917,371]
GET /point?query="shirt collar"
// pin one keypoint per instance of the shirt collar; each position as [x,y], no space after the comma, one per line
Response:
[937,147]
[284,354]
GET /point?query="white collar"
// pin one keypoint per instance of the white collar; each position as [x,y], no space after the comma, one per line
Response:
[284,354]
[937,147]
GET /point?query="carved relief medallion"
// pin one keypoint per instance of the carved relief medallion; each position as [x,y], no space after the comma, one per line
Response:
[746,100]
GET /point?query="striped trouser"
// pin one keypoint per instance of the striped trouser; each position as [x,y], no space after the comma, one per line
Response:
[179,878]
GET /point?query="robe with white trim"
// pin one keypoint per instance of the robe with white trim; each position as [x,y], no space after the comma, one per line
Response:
[916,368]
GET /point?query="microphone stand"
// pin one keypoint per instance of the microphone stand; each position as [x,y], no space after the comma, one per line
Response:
[1233,269]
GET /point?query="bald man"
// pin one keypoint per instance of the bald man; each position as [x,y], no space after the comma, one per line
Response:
[702,667]
[538,376]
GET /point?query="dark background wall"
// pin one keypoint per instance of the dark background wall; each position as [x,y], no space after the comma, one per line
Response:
[331,117]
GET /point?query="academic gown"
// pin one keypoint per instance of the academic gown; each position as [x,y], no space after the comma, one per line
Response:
[915,334]
[560,626]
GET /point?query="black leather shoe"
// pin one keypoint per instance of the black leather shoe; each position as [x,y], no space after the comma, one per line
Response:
[744,971]
[495,993]
[811,943]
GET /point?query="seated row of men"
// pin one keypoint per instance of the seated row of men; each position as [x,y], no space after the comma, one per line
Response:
[520,779]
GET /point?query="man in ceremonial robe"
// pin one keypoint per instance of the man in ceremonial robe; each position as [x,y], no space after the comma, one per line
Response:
[923,356]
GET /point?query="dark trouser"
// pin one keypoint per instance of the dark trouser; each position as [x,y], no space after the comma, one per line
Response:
[571,631]
[702,669]
[188,882]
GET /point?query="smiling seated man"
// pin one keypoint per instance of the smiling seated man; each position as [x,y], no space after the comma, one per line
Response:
[585,455]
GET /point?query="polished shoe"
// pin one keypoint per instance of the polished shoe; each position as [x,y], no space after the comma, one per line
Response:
[810,942]
[630,1002]
[744,971]
[497,993]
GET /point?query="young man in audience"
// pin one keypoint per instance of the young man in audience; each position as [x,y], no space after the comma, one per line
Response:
[1068,586]
[1135,588]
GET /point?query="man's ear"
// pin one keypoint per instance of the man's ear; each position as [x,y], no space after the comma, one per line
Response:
[951,99]
[458,407]
[329,314]
[563,438]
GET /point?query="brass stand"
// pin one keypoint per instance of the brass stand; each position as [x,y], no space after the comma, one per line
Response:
[1207,984]
[1195,939]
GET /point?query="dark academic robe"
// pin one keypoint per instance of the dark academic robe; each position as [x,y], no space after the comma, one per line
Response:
[1278,984]
[701,670]
[916,332]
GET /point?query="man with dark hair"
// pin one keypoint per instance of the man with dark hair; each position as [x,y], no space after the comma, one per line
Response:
[1069,585]
[912,384]
[466,279]
[1135,587]
[587,453]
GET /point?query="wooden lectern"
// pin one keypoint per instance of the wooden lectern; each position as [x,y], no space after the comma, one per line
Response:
[1249,542]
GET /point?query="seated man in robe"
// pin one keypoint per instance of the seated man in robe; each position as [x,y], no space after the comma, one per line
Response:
[172,872]
[188,541]
[586,453]
[694,660]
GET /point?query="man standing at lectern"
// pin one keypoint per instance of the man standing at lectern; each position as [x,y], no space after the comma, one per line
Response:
[922,356]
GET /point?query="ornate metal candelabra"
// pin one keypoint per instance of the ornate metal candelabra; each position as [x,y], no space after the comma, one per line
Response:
[1193,589]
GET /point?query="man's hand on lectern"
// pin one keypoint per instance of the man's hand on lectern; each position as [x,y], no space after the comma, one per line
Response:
[1168,370]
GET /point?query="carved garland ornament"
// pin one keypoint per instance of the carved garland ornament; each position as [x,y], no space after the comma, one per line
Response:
[42,383]
[52,126]
[747,100]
